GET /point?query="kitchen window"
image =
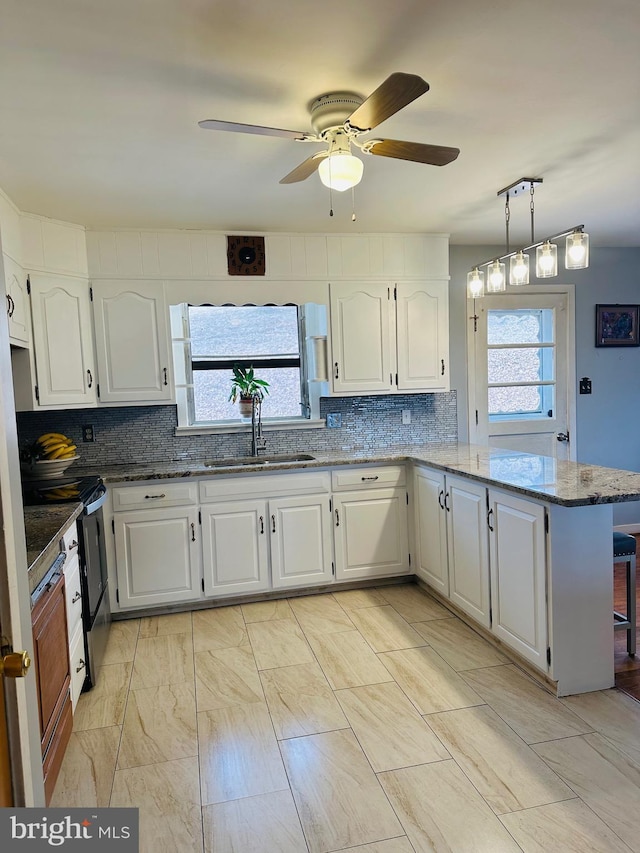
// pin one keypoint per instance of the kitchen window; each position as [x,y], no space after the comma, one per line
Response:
[209,340]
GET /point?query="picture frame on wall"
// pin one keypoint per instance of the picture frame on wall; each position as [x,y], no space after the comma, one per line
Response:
[617,325]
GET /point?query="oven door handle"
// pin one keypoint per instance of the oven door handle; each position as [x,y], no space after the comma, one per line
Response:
[99,498]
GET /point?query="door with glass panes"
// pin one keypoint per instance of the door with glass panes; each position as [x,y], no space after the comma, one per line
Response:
[521,396]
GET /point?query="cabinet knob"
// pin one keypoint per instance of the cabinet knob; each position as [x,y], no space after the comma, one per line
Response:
[15,664]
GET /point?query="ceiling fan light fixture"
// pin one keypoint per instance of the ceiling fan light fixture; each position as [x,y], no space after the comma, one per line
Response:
[341,171]
[577,251]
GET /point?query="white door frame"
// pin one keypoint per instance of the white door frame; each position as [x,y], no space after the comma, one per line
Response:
[556,289]
[21,698]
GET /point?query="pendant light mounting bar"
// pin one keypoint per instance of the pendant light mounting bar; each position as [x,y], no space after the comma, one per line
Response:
[519,186]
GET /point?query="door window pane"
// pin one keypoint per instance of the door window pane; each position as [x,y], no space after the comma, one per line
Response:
[520,326]
[525,364]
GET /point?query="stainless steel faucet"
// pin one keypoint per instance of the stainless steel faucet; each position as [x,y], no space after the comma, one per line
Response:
[258,442]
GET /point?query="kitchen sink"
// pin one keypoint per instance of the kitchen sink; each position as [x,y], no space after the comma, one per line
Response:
[273,459]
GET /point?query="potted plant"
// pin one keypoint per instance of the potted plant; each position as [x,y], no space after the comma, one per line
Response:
[245,387]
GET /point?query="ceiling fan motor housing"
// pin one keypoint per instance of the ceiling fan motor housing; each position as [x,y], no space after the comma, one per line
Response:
[330,111]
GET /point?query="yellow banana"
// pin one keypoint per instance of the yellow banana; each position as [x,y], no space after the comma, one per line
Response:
[49,435]
[54,444]
[69,451]
[64,450]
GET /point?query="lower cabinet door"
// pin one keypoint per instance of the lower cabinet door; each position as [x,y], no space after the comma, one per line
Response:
[300,536]
[468,546]
[78,662]
[432,563]
[518,575]
[370,530]
[235,547]
[158,555]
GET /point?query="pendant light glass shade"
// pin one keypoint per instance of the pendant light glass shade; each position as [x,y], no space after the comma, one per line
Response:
[577,252]
[519,269]
[341,171]
[496,277]
[547,260]
[475,283]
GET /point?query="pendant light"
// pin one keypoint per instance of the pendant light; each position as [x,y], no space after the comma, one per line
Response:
[547,260]
[576,251]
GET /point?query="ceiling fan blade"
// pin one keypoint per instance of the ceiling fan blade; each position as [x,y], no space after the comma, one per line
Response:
[235,127]
[433,155]
[305,169]
[396,92]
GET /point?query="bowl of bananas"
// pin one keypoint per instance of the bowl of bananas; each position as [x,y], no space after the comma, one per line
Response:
[48,457]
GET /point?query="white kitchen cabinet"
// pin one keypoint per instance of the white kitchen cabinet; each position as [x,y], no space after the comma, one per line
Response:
[17,302]
[132,342]
[158,555]
[370,533]
[517,550]
[62,343]
[468,547]
[432,563]
[235,547]
[301,542]
[389,338]
[362,337]
[422,317]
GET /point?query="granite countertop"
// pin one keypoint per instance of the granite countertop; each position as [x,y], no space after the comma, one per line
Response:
[541,477]
[44,526]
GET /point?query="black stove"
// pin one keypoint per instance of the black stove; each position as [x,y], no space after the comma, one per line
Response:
[60,490]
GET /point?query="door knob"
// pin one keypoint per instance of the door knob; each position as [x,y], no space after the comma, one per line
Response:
[15,664]
[563,436]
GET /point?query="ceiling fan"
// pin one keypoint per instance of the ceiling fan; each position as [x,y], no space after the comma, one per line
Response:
[338,120]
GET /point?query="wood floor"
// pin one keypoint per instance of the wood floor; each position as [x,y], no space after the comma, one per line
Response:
[368,720]
[627,668]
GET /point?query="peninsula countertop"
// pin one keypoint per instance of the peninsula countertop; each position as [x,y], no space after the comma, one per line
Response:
[539,477]
[44,526]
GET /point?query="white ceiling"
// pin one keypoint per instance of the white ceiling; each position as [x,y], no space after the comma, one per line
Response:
[99,104]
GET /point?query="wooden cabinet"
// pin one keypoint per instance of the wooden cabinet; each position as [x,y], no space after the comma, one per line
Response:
[370,521]
[389,338]
[518,574]
[18,313]
[158,556]
[51,664]
[62,343]
[432,563]
[468,547]
[132,342]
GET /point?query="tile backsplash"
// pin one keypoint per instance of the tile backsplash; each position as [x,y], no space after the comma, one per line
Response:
[147,433]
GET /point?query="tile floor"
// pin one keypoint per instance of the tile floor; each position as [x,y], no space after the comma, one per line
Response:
[369,720]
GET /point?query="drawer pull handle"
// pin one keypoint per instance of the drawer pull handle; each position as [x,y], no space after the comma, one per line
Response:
[337,375]
[73,544]
[11,304]
[489,514]
[193,532]
[337,519]
[442,368]
[262,524]
[81,665]
[273,524]
[164,371]
[90,379]
[440,496]
[154,497]
[364,479]
[76,597]
[446,502]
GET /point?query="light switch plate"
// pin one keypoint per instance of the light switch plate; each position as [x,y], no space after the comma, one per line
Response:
[406,416]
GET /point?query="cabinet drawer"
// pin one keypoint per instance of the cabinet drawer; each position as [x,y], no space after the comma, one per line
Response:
[154,494]
[78,665]
[73,595]
[263,486]
[70,538]
[389,476]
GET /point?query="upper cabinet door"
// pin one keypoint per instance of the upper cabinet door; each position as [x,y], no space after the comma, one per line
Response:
[17,302]
[132,342]
[62,341]
[362,337]
[422,311]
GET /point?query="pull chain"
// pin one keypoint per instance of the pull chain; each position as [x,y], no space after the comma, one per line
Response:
[353,204]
